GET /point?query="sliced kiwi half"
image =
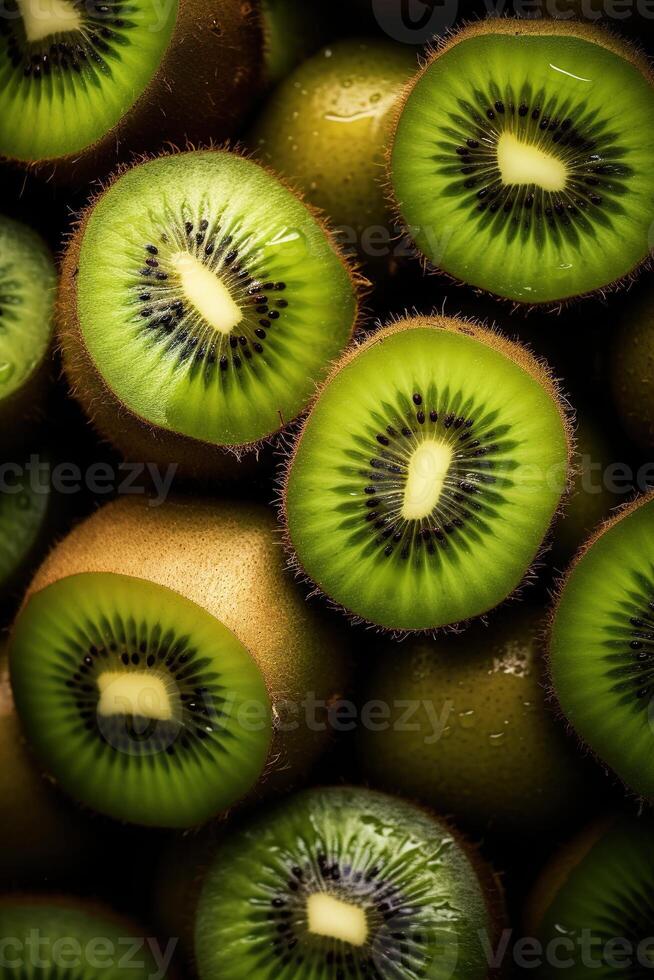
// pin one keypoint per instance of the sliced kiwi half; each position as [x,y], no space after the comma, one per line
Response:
[343,883]
[28,284]
[602,645]
[155,657]
[427,474]
[593,905]
[65,938]
[519,162]
[470,730]
[82,83]
[201,300]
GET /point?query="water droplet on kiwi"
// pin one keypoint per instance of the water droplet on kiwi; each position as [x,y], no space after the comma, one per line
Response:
[7,370]
[468,719]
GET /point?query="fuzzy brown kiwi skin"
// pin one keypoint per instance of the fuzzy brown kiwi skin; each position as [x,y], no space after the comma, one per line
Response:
[520,354]
[515,26]
[206,82]
[227,558]
[132,435]
[605,526]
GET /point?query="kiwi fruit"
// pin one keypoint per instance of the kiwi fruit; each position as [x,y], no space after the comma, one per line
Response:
[343,883]
[326,128]
[592,907]
[65,938]
[426,475]
[632,370]
[28,286]
[602,644]
[200,303]
[519,160]
[83,84]
[161,660]
[43,836]
[468,729]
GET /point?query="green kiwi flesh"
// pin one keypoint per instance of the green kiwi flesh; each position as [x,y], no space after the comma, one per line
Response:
[481,743]
[327,126]
[602,645]
[28,282]
[81,84]
[342,883]
[519,159]
[599,895]
[202,299]
[427,474]
[152,651]
[53,938]
[109,666]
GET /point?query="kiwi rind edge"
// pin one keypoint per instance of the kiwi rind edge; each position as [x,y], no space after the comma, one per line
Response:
[521,355]
[601,35]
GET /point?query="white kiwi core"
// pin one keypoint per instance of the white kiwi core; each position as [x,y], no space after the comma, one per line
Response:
[522,163]
[331,917]
[428,468]
[43,18]
[133,693]
[207,293]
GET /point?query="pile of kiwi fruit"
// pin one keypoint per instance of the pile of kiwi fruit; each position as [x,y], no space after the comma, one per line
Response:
[326,490]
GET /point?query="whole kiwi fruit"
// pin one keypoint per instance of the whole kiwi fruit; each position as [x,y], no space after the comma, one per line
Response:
[462,723]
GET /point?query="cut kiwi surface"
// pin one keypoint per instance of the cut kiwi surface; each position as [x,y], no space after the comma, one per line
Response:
[343,883]
[602,645]
[470,731]
[155,647]
[85,81]
[520,159]
[28,282]
[202,299]
[61,938]
[594,906]
[427,474]
[108,666]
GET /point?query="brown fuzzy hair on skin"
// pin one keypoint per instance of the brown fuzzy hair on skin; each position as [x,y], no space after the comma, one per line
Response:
[491,337]
[516,27]
[131,434]
[226,558]
[209,77]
